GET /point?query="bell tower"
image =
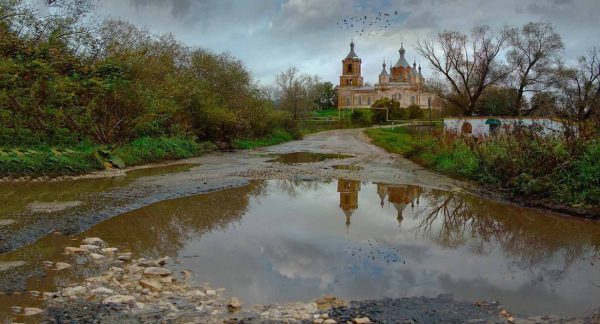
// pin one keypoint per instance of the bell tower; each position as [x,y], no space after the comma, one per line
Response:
[351,70]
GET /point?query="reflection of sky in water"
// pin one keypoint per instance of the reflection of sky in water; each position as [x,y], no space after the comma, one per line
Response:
[296,246]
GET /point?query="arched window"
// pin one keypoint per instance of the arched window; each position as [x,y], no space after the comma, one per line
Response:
[359,101]
[466,128]
[369,101]
[413,100]
[347,101]
[349,68]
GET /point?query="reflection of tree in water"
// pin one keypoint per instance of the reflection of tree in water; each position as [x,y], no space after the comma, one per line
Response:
[534,238]
[293,187]
[164,227]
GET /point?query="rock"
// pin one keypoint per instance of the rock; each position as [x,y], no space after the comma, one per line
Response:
[6,222]
[109,250]
[73,250]
[124,256]
[329,321]
[48,264]
[211,292]
[152,284]
[117,269]
[89,247]
[93,241]
[74,291]
[157,271]
[361,320]
[510,319]
[97,256]
[186,275]
[35,293]
[318,321]
[16,309]
[118,299]
[324,316]
[140,305]
[31,311]
[234,304]
[7,265]
[504,313]
[62,266]
[166,280]
[102,291]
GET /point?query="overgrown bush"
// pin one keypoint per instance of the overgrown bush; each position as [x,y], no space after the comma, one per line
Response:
[361,118]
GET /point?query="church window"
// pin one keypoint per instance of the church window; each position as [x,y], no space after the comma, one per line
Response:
[347,101]
[359,101]
[412,100]
[369,101]
[399,96]
[349,68]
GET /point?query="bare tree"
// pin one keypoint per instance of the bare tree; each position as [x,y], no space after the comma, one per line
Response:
[467,63]
[534,55]
[296,92]
[581,86]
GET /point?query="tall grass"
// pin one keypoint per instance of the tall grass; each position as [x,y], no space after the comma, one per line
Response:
[150,149]
[277,137]
[526,165]
[86,157]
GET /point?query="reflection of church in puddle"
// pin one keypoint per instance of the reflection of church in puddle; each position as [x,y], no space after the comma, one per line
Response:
[348,190]
[399,196]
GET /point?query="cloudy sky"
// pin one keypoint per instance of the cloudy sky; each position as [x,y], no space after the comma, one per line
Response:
[271,35]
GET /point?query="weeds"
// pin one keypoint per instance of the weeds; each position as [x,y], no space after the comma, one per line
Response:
[524,164]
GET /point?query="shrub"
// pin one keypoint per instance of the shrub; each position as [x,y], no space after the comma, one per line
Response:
[415,112]
[361,118]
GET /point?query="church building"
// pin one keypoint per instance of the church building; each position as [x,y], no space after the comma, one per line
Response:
[403,83]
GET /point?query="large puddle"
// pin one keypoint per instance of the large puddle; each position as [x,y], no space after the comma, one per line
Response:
[280,240]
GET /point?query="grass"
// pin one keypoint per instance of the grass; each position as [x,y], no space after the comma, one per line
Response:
[278,137]
[551,170]
[86,157]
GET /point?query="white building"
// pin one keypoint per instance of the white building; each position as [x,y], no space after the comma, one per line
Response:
[486,126]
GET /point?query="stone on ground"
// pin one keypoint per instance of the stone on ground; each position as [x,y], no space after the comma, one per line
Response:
[30,311]
[118,299]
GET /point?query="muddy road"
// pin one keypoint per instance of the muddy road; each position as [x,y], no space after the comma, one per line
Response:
[329,214]
[32,210]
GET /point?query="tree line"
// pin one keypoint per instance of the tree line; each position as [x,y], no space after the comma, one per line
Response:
[65,78]
[512,71]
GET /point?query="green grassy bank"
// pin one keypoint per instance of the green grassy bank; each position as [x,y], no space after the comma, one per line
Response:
[85,157]
[542,171]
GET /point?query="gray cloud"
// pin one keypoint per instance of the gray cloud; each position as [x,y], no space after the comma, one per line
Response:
[271,35]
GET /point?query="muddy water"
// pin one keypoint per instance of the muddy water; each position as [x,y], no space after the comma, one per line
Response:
[279,240]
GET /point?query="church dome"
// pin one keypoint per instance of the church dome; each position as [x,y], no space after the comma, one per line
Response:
[352,54]
[402,60]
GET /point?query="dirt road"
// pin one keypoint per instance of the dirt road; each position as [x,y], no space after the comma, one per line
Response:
[213,172]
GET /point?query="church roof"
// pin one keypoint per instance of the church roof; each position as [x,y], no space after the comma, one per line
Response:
[402,60]
[352,54]
[384,71]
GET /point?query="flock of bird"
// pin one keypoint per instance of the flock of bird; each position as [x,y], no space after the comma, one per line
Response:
[367,25]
